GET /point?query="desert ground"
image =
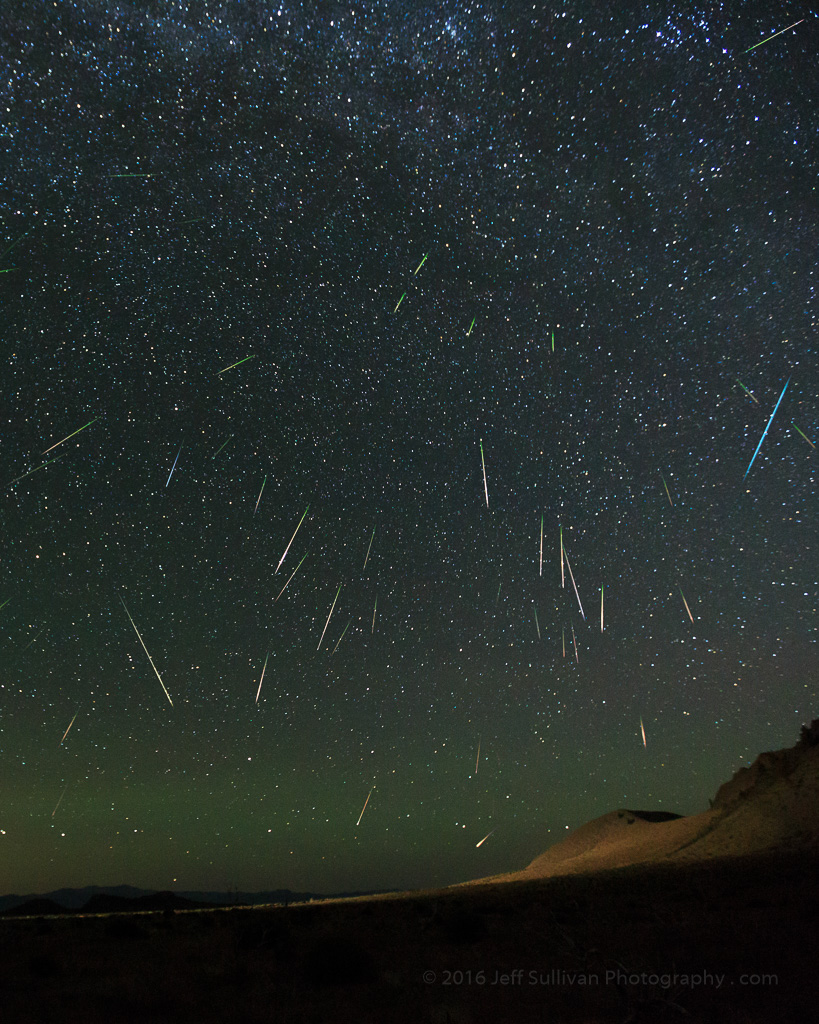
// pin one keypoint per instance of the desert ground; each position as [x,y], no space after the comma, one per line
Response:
[729,940]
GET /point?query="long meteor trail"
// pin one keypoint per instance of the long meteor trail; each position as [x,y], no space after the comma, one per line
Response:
[571,574]
[144,648]
[173,467]
[779,33]
[366,558]
[292,574]
[327,623]
[260,498]
[483,464]
[291,541]
[232,365]
[262,679]
[68,730]
[88,424]
[765,431]
[363,809]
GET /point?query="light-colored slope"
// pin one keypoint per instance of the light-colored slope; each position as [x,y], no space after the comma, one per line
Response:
[772,805]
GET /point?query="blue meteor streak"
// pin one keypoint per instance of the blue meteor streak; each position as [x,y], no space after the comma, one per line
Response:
[765,431]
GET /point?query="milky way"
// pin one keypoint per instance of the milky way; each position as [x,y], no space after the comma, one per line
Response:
[435,273]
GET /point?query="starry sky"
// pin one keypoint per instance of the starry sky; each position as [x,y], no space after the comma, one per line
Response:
[416,281]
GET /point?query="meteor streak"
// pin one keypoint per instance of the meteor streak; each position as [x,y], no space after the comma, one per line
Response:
[291,541]
[133,175]
[779,33]
[765,431]
[220,448]
[643,731]
[574,641]
[342,635]
[399,302]
[474,318]
[88,424]
[3,605]
[670,502]
[562,574]
[262,679]
[423,261]
[747,392]
[485,838]
[292,574]
[483,464]
[367,556]
[571,574]
[375,606]
[68,730]
[60,800]
[553,341]
[363,809]
[232,365]
[601,607]
[327,623]
[144,648]
[537,624]
[36,468]
[173,467]
[260,498]
[682,595]
[803,435]
[564,641]
[541,544]
[478,758]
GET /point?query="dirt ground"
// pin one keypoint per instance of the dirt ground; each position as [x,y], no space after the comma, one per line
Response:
[731,941]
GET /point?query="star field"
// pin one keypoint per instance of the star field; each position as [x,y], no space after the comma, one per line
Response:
[279,257]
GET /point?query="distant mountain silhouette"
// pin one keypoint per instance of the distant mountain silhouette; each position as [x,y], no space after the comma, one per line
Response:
[126,898]
[773,805]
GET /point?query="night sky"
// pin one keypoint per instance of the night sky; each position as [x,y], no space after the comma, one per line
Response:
[582,236]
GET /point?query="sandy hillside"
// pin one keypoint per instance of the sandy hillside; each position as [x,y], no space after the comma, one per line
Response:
[772,805]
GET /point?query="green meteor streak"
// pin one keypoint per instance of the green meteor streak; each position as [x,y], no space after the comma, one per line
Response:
[670,502]
[803,435]
[3,605]
[747,392]
[5,252]
[423,261]
[55,459]
[235,364]
[367,557]
[553,341]
[291,541]
[779,33]
[474,318]
[399,303]
[342,636]
[217,452]
[7,270]
[88,424]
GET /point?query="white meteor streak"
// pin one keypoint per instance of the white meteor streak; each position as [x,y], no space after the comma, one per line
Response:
[363,809]
[292,574]
[367,557]
[327,623]
[262,679]
[68,730]
[488,834]
[642,730]
[173,467]
[291,541]
[144,648]
[571,574]
[483,464]
[601,607]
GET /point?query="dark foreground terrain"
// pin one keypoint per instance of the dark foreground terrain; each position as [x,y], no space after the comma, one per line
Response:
[730,941]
